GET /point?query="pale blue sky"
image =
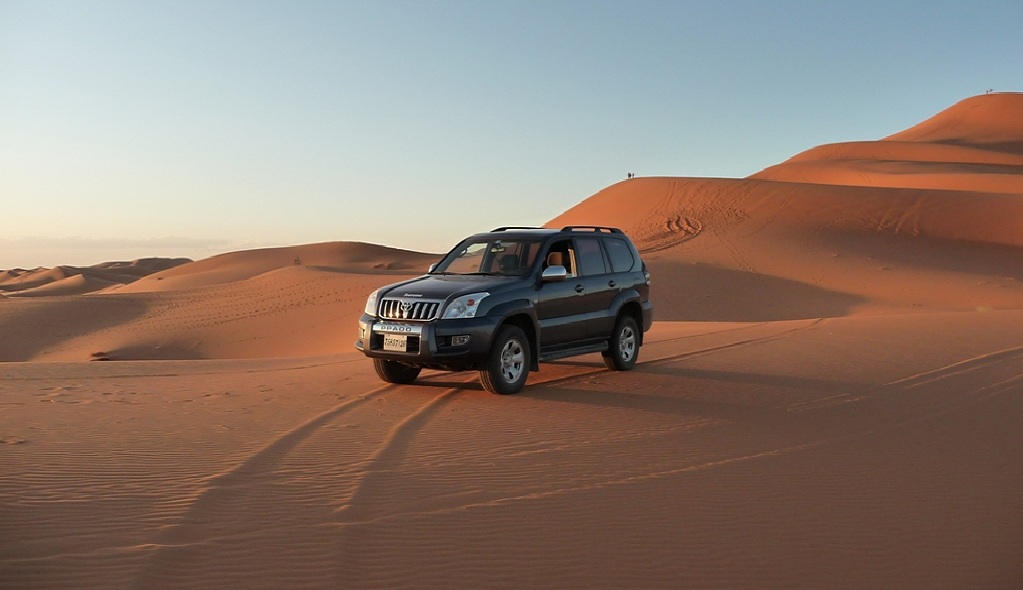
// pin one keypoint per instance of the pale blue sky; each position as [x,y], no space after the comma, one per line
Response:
[180,128]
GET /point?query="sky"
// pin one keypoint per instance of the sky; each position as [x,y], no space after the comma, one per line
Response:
[192,128]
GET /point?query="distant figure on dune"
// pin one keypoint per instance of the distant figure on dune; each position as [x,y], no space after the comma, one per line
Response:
[630,176]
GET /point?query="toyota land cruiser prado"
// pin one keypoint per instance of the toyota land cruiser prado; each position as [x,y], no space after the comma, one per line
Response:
[501,302]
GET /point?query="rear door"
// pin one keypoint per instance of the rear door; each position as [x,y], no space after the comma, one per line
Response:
[598,289]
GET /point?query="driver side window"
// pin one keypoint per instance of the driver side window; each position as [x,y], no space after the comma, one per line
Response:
[563,254]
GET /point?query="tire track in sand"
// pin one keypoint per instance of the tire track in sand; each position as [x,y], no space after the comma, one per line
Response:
[226,493]
[896,405]
[671,358]
[306,511]
[363,504]
[964,383]
[246,513]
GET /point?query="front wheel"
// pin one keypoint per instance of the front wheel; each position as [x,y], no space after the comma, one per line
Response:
[395,372]
[507,365]
[623,346]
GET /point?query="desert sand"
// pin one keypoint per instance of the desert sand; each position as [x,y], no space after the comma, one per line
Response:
[831,397]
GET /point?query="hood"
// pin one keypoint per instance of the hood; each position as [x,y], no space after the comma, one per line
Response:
[444,287]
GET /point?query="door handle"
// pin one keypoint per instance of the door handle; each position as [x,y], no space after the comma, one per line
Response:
[578,288]
[611,283]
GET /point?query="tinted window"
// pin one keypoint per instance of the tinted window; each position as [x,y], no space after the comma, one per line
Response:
[622,259]
[591,257]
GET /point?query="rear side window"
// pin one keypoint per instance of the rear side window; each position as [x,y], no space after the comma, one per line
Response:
[591,257]
[622,259]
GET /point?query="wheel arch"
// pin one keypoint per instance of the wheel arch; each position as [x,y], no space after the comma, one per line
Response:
[528,325]
[632,308]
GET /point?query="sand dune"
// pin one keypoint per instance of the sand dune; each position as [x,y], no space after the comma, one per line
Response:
[22,279]
[9,275]
[725,250]
[78,280]
[78,284]
[235,266]
[971,146]
[830,398]
[994,121]
[249,304]
[881,166]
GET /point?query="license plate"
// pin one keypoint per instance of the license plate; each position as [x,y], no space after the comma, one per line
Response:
[398,342]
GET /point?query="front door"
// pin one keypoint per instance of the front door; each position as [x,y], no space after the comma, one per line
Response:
[575,310]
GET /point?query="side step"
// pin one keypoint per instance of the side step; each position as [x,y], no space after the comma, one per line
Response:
[567,352]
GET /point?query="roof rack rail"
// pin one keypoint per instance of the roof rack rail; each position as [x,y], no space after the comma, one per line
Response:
[511,227]
[593,228]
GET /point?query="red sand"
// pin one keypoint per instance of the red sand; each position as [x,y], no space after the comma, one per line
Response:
[830,398]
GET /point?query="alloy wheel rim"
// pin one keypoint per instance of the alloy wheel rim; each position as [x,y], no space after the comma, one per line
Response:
[627,344]
[512,360]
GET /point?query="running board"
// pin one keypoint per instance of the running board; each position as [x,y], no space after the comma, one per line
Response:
[567,352]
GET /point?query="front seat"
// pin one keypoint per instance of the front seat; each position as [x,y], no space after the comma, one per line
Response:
[509,264]
[559,258]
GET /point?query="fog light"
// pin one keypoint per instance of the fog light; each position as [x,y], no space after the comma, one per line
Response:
[461,340]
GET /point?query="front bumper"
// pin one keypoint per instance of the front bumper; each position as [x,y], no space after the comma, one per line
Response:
[430,344]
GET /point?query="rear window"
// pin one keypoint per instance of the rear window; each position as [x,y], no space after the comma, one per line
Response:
[622,258]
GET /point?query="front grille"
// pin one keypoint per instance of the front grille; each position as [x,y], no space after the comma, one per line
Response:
[404,309]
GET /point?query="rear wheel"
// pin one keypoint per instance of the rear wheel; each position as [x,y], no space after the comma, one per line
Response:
[507,365]
[623,346]
[395,372]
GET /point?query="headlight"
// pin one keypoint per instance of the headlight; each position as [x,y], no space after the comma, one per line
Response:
[371,303]
[464,306]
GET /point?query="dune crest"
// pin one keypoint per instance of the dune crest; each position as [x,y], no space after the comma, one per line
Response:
[975,145]
[994,121]
[236,266]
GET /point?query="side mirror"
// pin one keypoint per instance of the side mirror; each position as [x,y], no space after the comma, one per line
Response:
[554,273]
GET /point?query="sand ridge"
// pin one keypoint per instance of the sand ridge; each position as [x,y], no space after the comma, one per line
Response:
[972,146]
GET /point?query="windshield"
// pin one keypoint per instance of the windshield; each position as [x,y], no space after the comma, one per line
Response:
[490,257]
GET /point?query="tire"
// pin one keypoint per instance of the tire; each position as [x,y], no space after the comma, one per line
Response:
[507,365]
[395,372]
[623,346]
